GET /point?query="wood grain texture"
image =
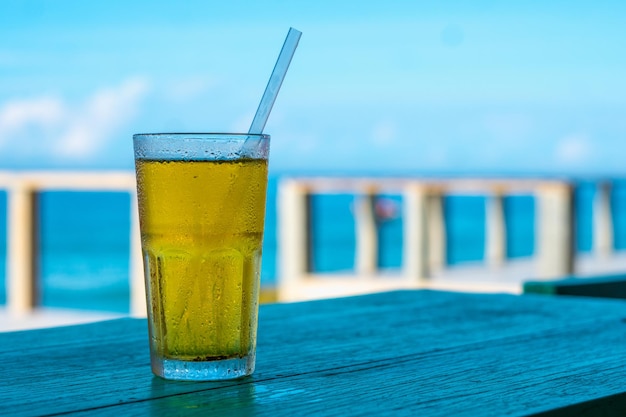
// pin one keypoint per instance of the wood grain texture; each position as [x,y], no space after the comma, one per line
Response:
[403,353]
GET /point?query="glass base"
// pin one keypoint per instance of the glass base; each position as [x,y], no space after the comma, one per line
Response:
[218,370]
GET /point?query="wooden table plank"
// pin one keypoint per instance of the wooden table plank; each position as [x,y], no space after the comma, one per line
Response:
[442,353]
[486,379]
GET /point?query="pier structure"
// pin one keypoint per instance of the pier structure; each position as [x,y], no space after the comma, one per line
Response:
[424,233]
[23,235]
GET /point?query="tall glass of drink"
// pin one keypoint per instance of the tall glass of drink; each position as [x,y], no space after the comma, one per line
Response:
[201,210]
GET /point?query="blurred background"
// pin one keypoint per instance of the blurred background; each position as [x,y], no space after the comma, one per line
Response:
[395,88]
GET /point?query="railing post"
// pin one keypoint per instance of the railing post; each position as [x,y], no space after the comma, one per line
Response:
[366,259]
[555,231]
[293,224]
[602,221]
[22,285]
[495,233]
[436,231]
[136,278]
[415,232]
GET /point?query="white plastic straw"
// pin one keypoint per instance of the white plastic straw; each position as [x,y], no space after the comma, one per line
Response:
[275,81]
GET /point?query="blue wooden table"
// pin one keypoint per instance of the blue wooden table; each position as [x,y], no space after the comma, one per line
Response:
[422,353]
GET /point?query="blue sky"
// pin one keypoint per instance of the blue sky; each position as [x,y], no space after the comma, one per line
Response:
[392,87]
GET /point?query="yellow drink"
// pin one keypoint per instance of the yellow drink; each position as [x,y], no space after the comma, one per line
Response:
[201,232]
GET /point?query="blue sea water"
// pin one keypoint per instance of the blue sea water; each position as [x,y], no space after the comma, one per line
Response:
[84,240]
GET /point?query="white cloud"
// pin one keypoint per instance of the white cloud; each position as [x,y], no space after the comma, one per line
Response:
[106,111]
[18,115]
[48,126]
[507,126]
[189,88]
[384,133]
[573,149]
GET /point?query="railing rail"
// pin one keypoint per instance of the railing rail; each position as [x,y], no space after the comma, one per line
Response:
[424,238]
[22,235]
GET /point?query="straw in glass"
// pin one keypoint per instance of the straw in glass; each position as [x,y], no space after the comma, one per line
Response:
[275,81]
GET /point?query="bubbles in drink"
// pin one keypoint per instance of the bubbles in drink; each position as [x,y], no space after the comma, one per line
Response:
[203,254]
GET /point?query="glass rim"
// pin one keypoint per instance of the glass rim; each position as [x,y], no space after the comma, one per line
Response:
[200,146]
[201,135]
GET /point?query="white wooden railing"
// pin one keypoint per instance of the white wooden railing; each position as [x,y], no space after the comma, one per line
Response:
[424,243]
[22,214]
